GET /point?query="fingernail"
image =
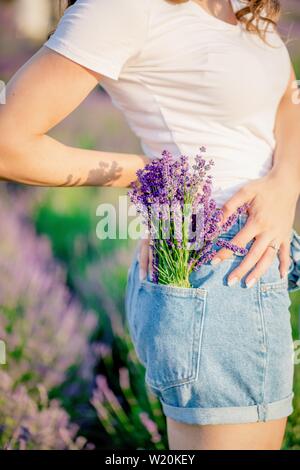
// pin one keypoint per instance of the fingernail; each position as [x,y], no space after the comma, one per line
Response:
[251,282]
[215,261]
[232,281]
[142,274]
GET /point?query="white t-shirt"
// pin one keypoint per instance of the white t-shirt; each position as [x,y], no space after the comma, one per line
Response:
[184,79]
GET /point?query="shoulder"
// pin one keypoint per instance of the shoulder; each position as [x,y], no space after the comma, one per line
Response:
[127,7]
[120,10]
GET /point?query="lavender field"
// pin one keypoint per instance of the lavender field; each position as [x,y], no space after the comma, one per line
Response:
[72,379]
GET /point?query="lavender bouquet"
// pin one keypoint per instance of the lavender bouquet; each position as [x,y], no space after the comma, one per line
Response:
[181,217]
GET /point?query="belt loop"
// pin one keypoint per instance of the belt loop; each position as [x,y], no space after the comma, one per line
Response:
[262,412]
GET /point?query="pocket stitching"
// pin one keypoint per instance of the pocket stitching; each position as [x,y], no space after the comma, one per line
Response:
[176,291]
[196,354]
[282,284]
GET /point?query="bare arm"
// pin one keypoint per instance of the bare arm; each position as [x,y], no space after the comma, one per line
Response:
[39,96]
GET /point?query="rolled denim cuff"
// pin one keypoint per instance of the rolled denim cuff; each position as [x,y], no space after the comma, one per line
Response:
[294,269]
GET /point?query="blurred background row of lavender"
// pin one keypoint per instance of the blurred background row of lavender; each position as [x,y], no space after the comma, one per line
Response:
[72,379]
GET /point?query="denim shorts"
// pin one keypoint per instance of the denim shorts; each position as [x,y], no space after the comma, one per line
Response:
[215,354]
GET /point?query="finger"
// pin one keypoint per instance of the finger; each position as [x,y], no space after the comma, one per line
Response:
[284,258]
[253,256]
[238,199]
[261,266]
[144,258]
[150,262]
[242,238]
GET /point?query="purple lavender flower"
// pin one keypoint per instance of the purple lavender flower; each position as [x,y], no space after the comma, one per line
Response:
[45,329]
[184,222]
[230,246]
[34,423]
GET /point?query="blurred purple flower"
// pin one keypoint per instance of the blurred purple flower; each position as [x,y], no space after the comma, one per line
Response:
[45,330]
[33,424]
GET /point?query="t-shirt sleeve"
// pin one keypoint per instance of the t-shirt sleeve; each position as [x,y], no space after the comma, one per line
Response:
[102,35]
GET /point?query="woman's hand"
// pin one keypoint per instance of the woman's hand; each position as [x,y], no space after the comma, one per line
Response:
[270,220]
[273,201]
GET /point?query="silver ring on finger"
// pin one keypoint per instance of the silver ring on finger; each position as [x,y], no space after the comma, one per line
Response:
[274,245]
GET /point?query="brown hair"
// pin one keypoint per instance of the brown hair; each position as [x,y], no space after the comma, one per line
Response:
[267,11]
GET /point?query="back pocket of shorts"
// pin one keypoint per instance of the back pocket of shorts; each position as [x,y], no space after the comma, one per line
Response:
[168,325]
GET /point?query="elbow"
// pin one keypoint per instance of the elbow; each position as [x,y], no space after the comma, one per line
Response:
[8,151]
[5,144]
[16,144]
[3,156]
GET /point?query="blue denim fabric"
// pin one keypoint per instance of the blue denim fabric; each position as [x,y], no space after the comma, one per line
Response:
[294,270]
[215,354]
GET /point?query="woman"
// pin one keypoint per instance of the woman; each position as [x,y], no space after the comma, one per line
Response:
[186,73]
